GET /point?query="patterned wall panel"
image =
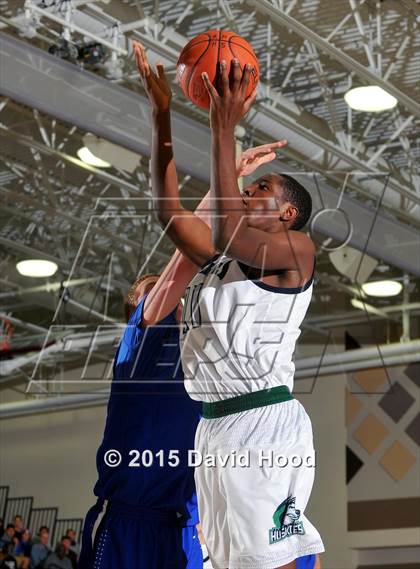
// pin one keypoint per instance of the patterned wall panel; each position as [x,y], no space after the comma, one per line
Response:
[383,426]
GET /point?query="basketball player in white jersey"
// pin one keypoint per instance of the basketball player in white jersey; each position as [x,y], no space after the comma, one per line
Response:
[241,320]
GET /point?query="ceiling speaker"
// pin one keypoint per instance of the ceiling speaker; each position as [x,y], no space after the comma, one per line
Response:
[353,264]
[109,152]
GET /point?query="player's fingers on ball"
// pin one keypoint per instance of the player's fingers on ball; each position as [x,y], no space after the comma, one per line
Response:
[210,88]
[235,74]
[207,85]
[224,77]
[250,100]
[245,78]
[253,97]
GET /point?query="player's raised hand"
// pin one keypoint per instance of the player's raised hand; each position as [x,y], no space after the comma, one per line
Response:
[253,158]
[229,103]
[154,82]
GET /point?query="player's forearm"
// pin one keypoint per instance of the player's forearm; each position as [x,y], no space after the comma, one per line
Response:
[163,169]
[228,204]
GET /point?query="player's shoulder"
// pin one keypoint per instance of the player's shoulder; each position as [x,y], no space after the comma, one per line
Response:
[303,242]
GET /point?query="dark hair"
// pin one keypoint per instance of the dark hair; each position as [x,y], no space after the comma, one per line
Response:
[297,195]
[10,526]
[43,528]
[65,537]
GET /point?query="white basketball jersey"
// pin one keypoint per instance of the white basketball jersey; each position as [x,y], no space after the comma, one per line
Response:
[238,335]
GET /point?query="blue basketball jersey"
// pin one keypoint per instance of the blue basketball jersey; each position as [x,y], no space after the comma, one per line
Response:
[149,410]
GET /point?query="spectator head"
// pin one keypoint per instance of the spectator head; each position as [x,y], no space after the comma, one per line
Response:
[60,551]
[66,543]
[18,522]
[10,530]
[43,528]
[44,537]
[71,534]
[26,535]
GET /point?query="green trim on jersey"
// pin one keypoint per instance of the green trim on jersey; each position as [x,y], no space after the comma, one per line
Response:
[245,402]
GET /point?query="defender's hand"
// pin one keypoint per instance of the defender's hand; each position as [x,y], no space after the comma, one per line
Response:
[253,158]
[155,83]
[230,103]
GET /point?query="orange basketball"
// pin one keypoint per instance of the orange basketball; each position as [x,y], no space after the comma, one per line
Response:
[203,53]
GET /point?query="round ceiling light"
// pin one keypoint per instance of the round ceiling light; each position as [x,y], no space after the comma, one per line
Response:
[382,288]
[370,99]
[87,157]
[37,268]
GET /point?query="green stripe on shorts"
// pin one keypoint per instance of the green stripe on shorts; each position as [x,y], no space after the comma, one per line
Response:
[245,402]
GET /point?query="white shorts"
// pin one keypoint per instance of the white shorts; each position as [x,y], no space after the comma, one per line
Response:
[252,510]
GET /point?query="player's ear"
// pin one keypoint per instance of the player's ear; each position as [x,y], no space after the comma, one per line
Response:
[288,212]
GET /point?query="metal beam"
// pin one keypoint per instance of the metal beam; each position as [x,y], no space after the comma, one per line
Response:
[48,287]
[385,355]
[283,19]
[24,324]
[360,27]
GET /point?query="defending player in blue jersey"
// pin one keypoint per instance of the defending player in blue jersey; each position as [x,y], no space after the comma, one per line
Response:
[145,516]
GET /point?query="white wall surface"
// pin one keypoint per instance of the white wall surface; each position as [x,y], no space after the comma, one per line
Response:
[328,504]
[52,457]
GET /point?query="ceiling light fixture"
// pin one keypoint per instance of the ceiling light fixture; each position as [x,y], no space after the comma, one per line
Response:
[37,268]
[370,99]
[382,288]
[88,157]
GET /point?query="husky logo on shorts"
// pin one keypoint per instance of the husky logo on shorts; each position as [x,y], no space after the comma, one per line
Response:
[286,521]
